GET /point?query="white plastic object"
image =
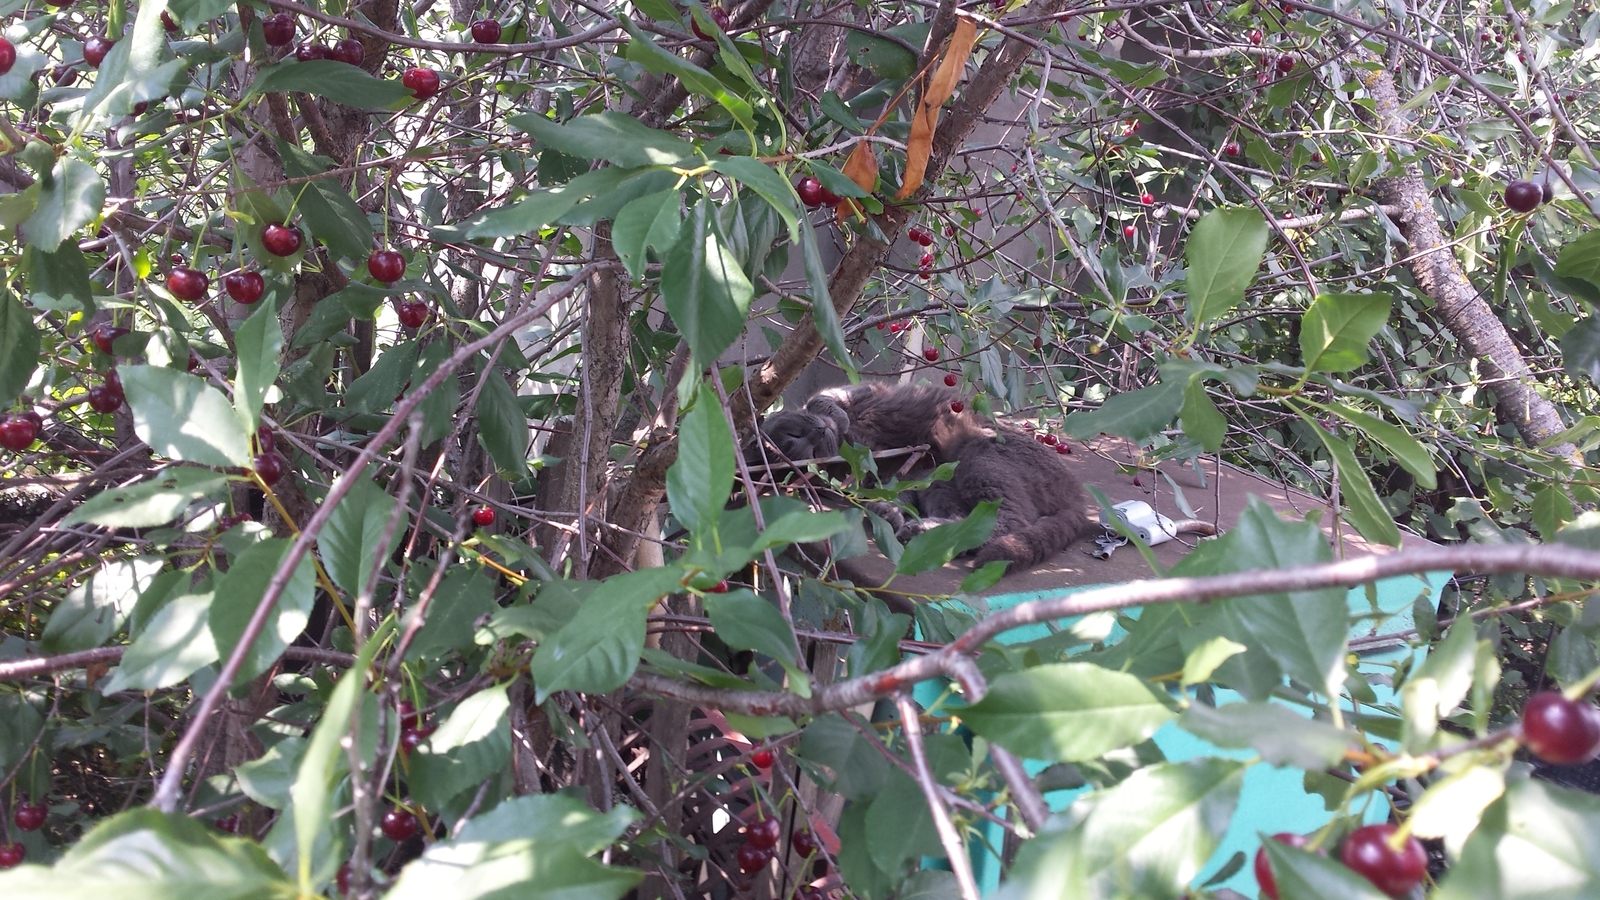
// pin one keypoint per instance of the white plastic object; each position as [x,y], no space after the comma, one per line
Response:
[1152,527]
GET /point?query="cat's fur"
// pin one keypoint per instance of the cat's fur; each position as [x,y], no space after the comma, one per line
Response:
[1042,501]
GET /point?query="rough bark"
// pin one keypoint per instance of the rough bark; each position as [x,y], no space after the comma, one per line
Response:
[1460,307]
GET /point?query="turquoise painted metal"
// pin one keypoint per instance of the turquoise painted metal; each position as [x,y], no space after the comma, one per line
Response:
[1271,799]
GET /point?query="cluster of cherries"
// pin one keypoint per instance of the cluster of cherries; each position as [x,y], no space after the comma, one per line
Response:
[283,240]
[919,235]
[27,816]
[268,464]
[1050,440]
[414,729]
[1555,728]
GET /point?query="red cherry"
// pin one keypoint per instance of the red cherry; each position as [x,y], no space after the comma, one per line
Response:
[486,31]
[925,261]
[957,406]
[105,398]
[763,833]
[409,717]
[1561,731]
[1523,196]
[1255,36]
[1395,872]
[1146,199]
[1050,439]
[752,858]
[931,354]
[349,51]
[951,380]
[11,855]
[31,816]
[894,327]
[1231,148]
[1547,192]
[763,759]
[398,824]
[423,82]
[342,880]
[194,361]
[718,16]
[810,191]
[114,381]
[168,24]
[187,284]
[803,843]
[1129,231]
[410,739]
[881,325]
[1285,64]
[925,274]
[269,468]
[95,50]
[413,313]
[8,55]
[278,30]
[1063,448]
[829,198]
[105,334]
[228,824]
[308,51]
[483,516]
[281,239]
[1268,884]
[17,433]
[265,439]
[388,266]
[244,287]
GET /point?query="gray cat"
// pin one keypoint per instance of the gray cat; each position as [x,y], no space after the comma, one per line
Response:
[1042,501]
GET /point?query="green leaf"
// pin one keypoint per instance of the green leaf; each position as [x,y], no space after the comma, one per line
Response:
[353,540]
[332,314]
[334,218]
[340,82]
[155,501]
[325,762]
[702,476]
[823,315]
[70,199]
[1200,417]
[259,342]
[1303,875]
[540,208]
[461,599]
[746,622]
[1221,257]
[1537,842]
[1137,415]
[884,59]
[1580,350]
[175,644]
[1282,736]
[527,870]
[599,648]
[21,340]
[617,138]
[502,427]
[375,391]
[859,770]
[1066,712]
[96,609]
[1406,450]
[139,69]
[58,279]
[1305,632]
[660,10]
[239,592]
[267,779]
[706,292]
[473,746]
[644,51]
[899,828]
[439,409]
[1148,836]
[551,818]
[1203,660]
[1367,512]
[1336,328]
[800,525]
[1454,805]
[649,222]
[940,544]
[760,177]
[1580,258]
[183,418]
[145,854]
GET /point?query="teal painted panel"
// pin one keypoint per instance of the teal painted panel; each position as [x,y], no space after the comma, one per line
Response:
[1272,799]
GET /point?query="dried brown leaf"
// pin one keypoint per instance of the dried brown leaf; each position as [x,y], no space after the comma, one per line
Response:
[926,121]
[862,168]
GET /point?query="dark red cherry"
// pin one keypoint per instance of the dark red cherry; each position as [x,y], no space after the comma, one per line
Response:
[1395,872]
[244,287]
[409,717]
[17,433]
[931,354]
[483,516]
[168,24]
[105,399]
[486,31]
[398,824]
[810,191]
[1561,731]
[12,855]
[829,198]
[1547,192]
[95,50]
[269,468]
[1523,196]
[308,51]
[413,313]
[762,759]
[422,82]
[388,266]
[349,51]
[8,55]
[1264,879]
[718,16]
[265,439]
[763,833]
[31,816]
[957,406]
[281,239]
[1285,64]
[803,843]
[752,858]
[1231,148]
[105,334]
[278,30]
[951,380]
[187,284]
